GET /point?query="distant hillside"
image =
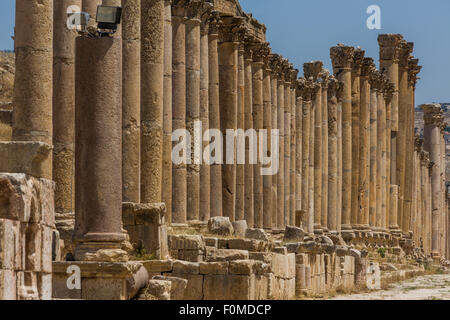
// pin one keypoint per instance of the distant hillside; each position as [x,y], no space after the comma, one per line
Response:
[7,71]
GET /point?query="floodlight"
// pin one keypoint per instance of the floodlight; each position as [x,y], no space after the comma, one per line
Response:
[108,17]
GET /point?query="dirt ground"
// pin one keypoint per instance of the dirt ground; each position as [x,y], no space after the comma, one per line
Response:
[430,287]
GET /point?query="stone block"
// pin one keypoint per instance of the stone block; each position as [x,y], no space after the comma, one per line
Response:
[45,286]
[216,268]
[294,234]
[241,267]
[160,289]
[184,267]
[158,266]
[218,255]
[31,158]
[194,289]
[8,283]
[265,257]
[60,289]
[103,289]
[211,242]
[186,242]
[239,228]
[261,287]
[27,286]
[283,266]
[247,244]
[229,287]
[256,234]
[222,243]
[47,244]
[32,234]
[190,255]
[178,286]
[7,245]
[220,226]
[281,250]
[260,268]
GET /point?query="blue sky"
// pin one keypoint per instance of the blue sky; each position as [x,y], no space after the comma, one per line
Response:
[304,30]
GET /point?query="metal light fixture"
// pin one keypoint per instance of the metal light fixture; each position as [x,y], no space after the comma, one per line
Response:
[108,18]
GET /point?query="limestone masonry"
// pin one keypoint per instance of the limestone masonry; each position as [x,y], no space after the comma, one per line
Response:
[87,181]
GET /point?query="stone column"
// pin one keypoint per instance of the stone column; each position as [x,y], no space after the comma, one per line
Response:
[325,75]
[381,153]
[368,67]
[152,86]
[298,152]
[63,107]
[274,65]
[179,198]
[332,126]
[312,71]
[98,176]
[228,99]
[306,140]
[205,186]
[167,112]
[240,168]
[404,56]
[340,95]
[388,93]
[193,108]
[356,135]
[258,122]
[131,101]
[294,75]
[90,6]
[214,112]
[389,60]
[374,86]
[287,144]
[433,117]
[280,122]
[248,114]
[33,45]
[342,58]
[267,125]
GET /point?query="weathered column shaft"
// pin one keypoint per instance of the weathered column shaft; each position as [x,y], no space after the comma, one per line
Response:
[33,46]
[193,114]
[332,127]
[258,122]
[293,149]
[267,125]
[214,113]
[90,6]
[373,149]
[381,122]
[342,57]
[287,149]
[248,114]
[205,185]
[179,199]
[98,216]
[356,137]
[152,102]
[365,143]
[383,186]
[240,168]
[167,112]
[280,175]
[274,106]
[317,105]
[433,117]
[306,122]
[131,101]
[324,208]
[63,107]
[298,155]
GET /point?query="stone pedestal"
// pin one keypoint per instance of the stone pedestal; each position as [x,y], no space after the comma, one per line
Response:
[98,158]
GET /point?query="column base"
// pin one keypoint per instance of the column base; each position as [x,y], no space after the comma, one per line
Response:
[318,229]
[100,252]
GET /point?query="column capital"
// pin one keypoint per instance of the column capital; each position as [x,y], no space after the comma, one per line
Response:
[375,80]
[388,90]
[294,77]
[413,70]
[358,58]
[308,90]
[261,51]
[368,66]
[341,57]
[299,87]
[424,158]
[333,86]
[443,126]
[232,29]
[418,143]
[286,69]
[324,78]
[312,70]
[433,114]
[214,22]
[406,48]
[390,46]
[275,61]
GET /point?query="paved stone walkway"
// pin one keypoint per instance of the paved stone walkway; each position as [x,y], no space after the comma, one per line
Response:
[432,287]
